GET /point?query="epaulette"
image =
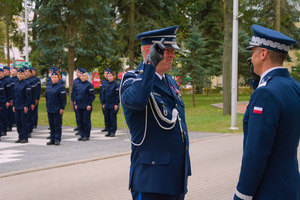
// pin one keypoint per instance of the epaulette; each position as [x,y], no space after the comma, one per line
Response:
[264,81]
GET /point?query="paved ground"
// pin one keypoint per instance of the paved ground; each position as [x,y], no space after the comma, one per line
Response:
[215,167]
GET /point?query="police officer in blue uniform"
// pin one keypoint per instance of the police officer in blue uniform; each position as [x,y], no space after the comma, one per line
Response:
[14,78]
[22,100]
[37,96]
[110,104]
[73,96]
[7,86]
[271,123]
[32,82]
[154,112]
[9,111]
[55,102]
[104,83]
[2,101]
[85,95]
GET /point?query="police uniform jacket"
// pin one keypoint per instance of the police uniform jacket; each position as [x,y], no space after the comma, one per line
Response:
[22,95]
[271,136]
[8,88]
[85,95]
[37,82]
[104,83]
[55,98]
[32,83]
[74,90]
[2,94]
[110,94]
[161,164]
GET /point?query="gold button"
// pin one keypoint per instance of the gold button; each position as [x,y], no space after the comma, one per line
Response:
[153,162]
[142,71]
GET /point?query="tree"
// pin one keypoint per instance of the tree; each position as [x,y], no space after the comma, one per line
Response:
[227,61]
[193,61]
[8,9]
[76,29]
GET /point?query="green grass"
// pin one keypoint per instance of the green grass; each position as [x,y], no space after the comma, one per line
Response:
[203,117]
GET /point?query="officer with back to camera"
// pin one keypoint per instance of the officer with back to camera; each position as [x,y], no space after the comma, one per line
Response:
[104,84]
[73,96]
[154,112]
[271,123]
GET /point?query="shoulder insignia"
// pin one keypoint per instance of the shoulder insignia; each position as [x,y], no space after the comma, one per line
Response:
[264,81]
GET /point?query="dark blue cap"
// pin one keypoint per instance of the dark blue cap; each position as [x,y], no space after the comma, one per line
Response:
[1,69]
[54,72]
[32,68]
[5,67]
[270,39]
[54,69]
[107,70]
[25,67]
[81,70]
[151,37]
[14,68]
[20,70]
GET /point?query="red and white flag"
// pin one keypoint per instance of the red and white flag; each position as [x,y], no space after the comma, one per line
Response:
[257,110]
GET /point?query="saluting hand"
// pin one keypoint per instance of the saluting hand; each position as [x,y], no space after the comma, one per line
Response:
[156,53]
[88,108]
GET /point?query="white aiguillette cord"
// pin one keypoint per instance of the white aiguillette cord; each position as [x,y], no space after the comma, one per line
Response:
[175,116]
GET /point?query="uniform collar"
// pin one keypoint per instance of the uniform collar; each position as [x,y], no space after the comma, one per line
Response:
[266,72]
[159,76]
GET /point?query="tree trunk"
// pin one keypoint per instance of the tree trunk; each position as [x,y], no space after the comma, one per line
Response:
[277,15]
[131,35]
[71,63]
[7,22]
[227,57]
[193,88]
[34,32]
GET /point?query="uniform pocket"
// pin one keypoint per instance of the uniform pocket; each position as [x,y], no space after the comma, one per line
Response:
[154,158]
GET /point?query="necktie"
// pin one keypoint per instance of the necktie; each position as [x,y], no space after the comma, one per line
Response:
[165,81]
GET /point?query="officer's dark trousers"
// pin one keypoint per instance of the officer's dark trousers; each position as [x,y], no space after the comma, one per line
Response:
[55,122]
[2,119]
[30,120]
[84,119]
[9,116]
[76,115]
[4,124]
[22,123]
[35,115]
[155,196]
[105,122]
[111,119]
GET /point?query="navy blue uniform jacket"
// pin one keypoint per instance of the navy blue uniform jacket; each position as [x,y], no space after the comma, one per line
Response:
[85,95]
[75,84]
[161,164]
[104,84]
[2,94]
[110,94]
[22,95]
[271,137]
[55,98]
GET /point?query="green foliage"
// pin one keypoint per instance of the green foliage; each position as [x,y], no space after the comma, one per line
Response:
[296,69]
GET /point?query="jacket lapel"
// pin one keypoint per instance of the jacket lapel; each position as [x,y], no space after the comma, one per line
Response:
[158,83]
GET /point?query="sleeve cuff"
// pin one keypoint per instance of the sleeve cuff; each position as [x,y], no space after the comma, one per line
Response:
[242,196]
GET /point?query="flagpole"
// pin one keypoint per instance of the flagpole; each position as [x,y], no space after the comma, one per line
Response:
[26,33]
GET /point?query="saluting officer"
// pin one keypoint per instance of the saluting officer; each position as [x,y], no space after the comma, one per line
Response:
[154,112]
[85,95]
[271,123]
[7,86]
[73,96]
[21,104]
[9,119]
[2,101]
[37,96]
[110,104]
[55,102]
[104,83]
